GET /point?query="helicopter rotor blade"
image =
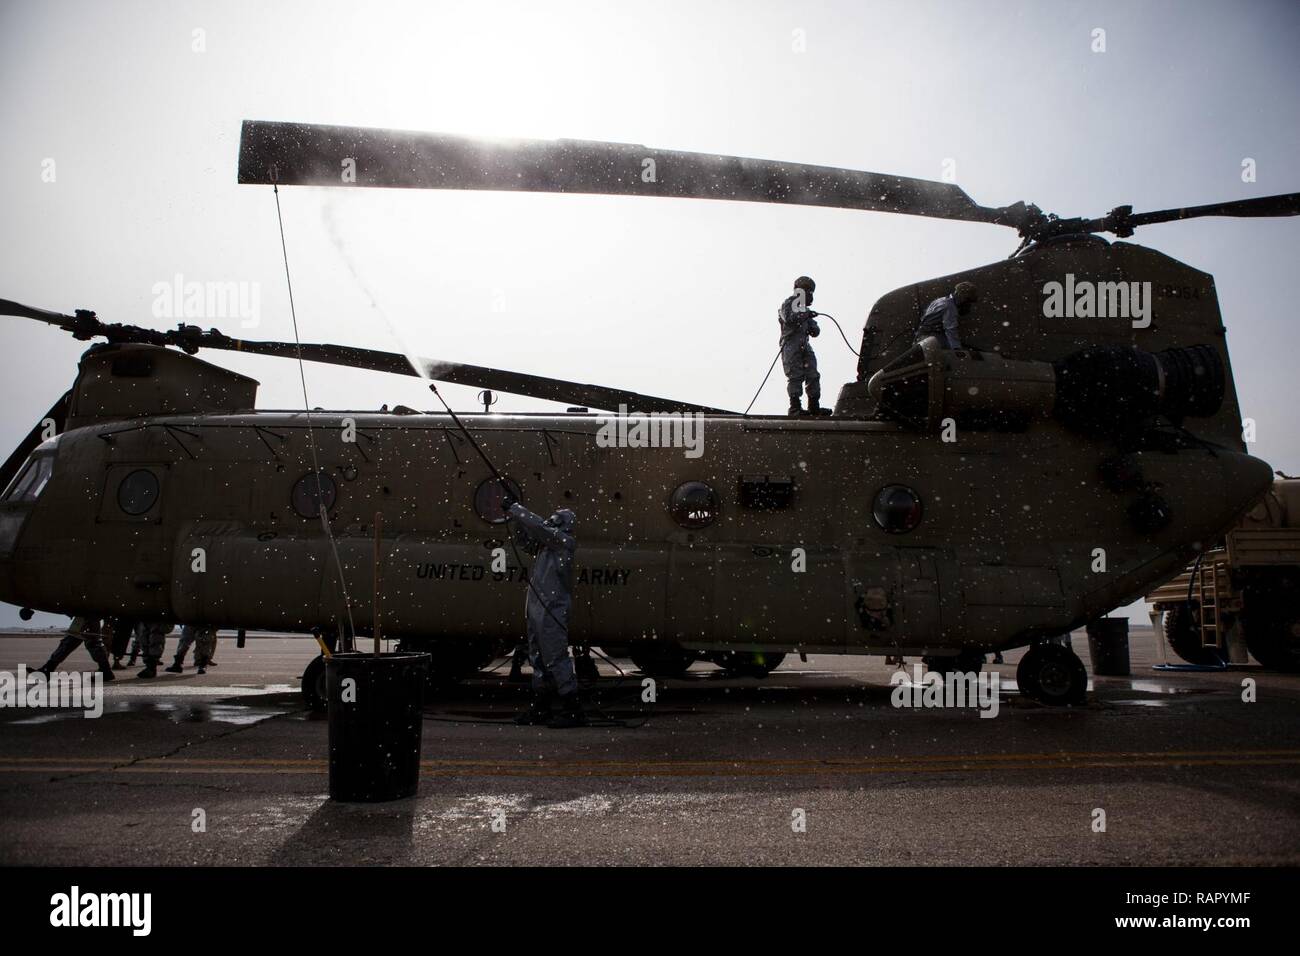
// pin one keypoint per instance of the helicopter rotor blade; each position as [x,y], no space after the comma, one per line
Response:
[302,154]
[190,338]
[459,373]
[1286,204]
[18,310]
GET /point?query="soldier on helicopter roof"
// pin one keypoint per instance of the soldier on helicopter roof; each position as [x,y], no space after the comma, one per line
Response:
[798,324]
[941,317]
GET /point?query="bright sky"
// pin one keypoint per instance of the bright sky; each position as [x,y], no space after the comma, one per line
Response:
[671,297]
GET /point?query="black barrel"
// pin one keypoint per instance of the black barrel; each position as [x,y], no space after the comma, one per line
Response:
[1108,646]
[375,725]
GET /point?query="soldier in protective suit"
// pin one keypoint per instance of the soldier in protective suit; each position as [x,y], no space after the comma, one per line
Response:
[87,630]
[798,324]
[550,595]
[941,317]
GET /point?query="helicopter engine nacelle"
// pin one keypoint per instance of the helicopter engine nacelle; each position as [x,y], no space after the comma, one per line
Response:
[1097,391]
[929,384]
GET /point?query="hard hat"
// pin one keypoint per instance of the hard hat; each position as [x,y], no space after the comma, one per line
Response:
[965,292]
[805,283]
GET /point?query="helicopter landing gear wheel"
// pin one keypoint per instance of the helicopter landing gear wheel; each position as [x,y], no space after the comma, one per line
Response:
[1052,674]
[749,663]
[314,694]
[662,660]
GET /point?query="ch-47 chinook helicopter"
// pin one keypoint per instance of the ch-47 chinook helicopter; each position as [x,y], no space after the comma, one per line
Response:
[956,502]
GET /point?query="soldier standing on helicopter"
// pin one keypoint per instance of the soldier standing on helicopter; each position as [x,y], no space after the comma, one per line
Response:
[797,359]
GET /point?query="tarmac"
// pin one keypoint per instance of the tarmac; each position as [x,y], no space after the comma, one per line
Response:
[812,765]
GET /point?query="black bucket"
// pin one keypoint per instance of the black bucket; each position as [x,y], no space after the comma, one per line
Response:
[375,725]
[1108,646]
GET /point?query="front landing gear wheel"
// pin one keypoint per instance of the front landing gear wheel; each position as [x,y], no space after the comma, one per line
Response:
[314,694]
[1052,674]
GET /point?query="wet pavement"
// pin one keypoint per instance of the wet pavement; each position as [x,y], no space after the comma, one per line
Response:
[812,765]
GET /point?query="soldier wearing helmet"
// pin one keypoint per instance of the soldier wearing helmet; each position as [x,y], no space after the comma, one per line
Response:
[941,317]
[798,324]
[546,609]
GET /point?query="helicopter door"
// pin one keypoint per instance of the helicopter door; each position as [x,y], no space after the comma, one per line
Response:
[130,526]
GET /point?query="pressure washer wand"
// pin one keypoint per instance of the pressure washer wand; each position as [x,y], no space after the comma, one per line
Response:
[461,425]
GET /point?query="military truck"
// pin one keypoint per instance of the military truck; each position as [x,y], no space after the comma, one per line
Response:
[1242,594]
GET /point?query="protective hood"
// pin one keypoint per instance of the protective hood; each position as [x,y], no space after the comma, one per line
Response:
[564,519]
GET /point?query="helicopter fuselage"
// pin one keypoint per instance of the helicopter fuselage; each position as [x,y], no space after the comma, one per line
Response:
[211,519]
[957,500]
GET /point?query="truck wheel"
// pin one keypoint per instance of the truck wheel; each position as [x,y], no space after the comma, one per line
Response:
[314,694]
[662,660]
[1183,632]
[1052,674]
[1273,634]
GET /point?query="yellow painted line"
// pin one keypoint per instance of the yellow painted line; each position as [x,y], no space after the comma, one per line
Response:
[634,771]
[684,768]
[886,760]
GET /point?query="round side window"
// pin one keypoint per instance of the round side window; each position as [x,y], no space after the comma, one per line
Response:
[897,509]
[694,505]
[138,492]
[311,491]
[487,499]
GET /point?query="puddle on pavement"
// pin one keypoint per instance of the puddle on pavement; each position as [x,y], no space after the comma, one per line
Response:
[201,712]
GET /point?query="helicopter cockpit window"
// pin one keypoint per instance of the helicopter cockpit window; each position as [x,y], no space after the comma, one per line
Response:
[487,499]
[311,491]
[32,480]
[897,509]
[138,492]
[694,505]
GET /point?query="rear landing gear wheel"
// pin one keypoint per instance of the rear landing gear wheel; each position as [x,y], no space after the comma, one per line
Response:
[314,694]
[1052,674]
